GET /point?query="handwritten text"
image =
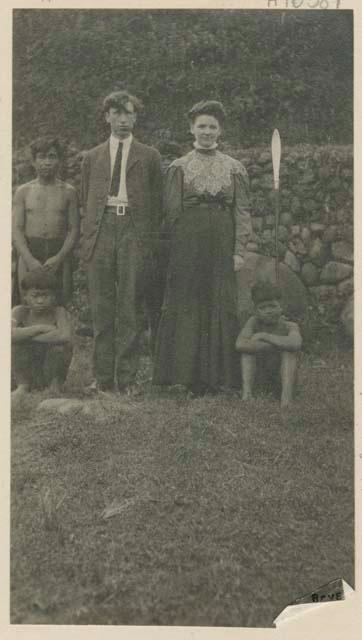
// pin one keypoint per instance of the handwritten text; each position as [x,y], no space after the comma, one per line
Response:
[304,4]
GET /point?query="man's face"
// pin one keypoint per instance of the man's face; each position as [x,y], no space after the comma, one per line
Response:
[269,311]
[46,163]
[121,120]
[39,299]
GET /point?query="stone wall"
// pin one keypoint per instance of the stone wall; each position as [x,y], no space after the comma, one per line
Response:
[316,218]
[316,214]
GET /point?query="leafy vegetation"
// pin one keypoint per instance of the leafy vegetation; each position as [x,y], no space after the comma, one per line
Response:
[271,69]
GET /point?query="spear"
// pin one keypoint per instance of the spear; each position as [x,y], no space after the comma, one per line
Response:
[276,153]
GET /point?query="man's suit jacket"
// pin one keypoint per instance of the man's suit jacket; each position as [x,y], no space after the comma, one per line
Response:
[144,191]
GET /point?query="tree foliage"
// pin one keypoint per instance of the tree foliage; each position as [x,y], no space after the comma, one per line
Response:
[285,69]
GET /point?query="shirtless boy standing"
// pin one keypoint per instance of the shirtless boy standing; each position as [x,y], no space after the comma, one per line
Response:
[269,344]
[41,336]
[46,218]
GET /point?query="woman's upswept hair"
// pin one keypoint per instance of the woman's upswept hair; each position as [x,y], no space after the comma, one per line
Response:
[208,108]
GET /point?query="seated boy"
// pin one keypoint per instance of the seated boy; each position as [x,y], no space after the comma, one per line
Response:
[41,336]
[46,218]
[269,344]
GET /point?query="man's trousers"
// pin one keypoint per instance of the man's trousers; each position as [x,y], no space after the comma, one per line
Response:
[116,281]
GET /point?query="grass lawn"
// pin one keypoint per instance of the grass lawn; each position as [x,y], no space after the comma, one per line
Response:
[164,510]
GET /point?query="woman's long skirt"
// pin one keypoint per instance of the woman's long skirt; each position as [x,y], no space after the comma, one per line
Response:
[198,328]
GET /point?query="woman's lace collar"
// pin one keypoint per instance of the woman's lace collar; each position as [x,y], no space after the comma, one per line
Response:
[208,172]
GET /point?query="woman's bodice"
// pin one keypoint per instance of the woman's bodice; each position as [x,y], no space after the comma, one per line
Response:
[209,176]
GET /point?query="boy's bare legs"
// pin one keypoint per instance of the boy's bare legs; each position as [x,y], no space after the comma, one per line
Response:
[288,371]
[56,365]
[248,371]
[22,365]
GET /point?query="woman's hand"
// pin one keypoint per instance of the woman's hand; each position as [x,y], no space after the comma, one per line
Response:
[238,262]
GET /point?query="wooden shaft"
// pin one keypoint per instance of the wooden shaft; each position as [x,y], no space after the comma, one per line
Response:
[277,214]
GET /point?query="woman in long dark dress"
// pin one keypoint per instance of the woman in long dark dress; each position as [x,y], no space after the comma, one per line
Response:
[207,211]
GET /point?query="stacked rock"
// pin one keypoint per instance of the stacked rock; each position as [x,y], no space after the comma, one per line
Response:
[315,238]
[316,218]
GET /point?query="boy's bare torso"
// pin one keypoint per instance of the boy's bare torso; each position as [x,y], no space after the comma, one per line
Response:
[45,208]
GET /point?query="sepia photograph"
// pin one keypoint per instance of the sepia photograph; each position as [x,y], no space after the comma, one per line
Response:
[182,314]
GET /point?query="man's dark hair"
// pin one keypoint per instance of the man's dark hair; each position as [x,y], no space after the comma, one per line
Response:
[118,100]
[264,290]
[43,144]
[40,279]
[208,108]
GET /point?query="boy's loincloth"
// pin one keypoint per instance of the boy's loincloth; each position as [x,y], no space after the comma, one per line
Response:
[42,249]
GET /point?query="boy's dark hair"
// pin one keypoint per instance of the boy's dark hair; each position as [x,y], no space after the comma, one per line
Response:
[43,144]
[118,100]
[40,279]
[263,291]
[208,108]
[169,148]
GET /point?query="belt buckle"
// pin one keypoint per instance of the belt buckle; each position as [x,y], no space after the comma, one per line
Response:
[121,209]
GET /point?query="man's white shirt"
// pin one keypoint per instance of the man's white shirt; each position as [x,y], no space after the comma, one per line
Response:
[121,198]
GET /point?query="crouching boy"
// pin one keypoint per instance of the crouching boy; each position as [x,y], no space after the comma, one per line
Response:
[269,345]
[41,336]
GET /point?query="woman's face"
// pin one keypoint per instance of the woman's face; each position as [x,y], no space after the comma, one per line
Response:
[206,130]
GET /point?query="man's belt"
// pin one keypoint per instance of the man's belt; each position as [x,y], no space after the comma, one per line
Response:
[118,209]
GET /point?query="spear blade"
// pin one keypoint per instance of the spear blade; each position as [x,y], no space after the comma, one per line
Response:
[276,150]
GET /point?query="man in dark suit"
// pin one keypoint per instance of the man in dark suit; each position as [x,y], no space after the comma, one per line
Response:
[122,205]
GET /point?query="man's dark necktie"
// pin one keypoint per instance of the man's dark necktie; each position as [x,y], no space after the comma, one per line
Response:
[116,175]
